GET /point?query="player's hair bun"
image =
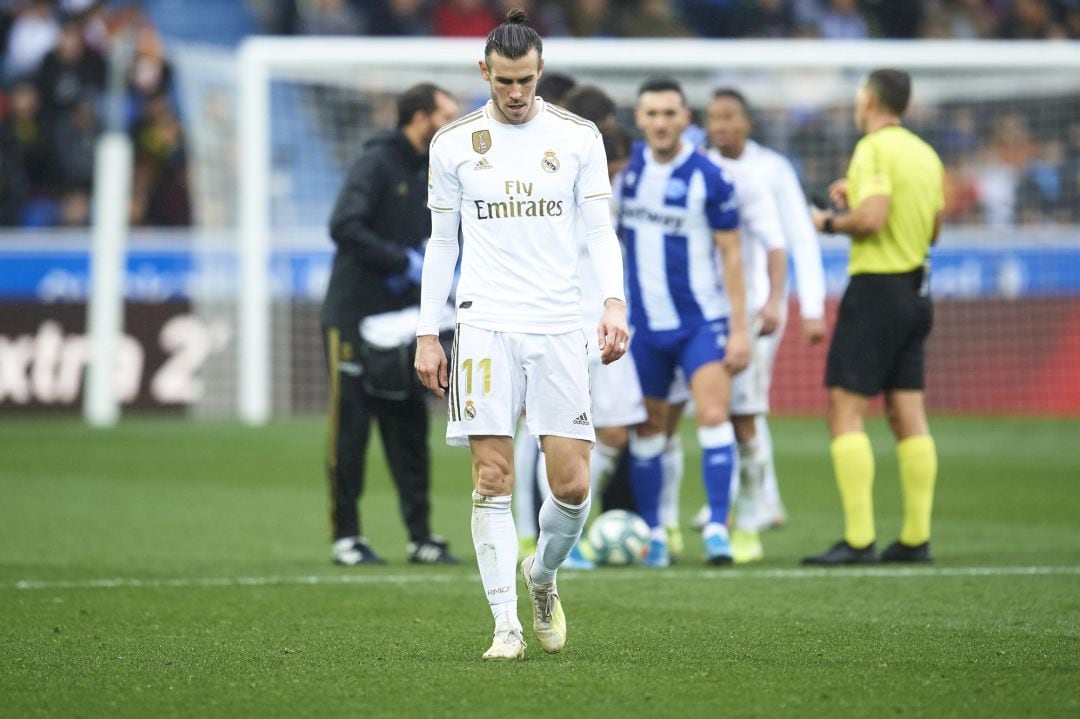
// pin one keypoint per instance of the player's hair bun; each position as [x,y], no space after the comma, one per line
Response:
[516,16]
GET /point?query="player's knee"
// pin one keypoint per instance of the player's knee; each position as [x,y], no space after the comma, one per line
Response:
[572,492]
[712,415]
[494,478]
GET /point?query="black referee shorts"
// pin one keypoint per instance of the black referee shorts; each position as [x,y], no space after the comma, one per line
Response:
[878,342]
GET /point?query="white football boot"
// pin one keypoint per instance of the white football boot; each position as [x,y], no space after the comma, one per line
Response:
[506,645]
[549,621]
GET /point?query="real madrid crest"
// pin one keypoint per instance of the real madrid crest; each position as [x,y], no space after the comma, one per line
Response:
[470,409]
[550,163]
[481,141]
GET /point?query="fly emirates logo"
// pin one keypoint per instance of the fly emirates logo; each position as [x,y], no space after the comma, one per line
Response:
[519,202]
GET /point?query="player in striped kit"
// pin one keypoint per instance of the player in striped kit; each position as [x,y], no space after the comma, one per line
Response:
[765,274]
[677,210]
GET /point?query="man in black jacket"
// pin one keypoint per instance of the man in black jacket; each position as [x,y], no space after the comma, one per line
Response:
[379,225]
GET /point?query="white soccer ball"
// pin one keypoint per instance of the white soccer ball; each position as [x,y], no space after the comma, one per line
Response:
[619,538]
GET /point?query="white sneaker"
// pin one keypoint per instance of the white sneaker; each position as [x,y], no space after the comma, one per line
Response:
[549,621]
[506,645]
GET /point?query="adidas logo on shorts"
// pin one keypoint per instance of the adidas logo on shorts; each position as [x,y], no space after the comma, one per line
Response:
[582,419]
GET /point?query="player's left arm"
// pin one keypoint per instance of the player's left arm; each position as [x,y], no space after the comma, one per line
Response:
[760,219]
[768,317]
[592,193]
[612,334]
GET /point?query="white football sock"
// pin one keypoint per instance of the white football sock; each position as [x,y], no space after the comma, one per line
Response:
[672,461]
[496,547]
[771,488]
[748,504]
[560,529]
[602,463]
[526,452]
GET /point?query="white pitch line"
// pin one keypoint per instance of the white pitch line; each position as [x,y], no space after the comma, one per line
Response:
[603,575]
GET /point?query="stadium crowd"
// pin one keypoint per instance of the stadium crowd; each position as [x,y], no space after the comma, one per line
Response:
[1007,163]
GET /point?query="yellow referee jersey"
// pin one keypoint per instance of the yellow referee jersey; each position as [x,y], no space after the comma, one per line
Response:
[893,161]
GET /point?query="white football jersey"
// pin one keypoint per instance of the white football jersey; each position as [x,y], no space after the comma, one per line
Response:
[803,244]
[760,224]
[518,188]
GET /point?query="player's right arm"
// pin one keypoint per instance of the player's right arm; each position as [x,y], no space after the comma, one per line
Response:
[444,201]
[737,352]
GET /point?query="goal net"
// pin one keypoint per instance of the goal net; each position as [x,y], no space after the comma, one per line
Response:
[273,130]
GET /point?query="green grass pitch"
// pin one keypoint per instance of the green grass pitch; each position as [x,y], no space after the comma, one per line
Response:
[171,568]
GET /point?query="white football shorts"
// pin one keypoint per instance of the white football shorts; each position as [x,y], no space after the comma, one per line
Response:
[750,388]
[493,374]
[616,393]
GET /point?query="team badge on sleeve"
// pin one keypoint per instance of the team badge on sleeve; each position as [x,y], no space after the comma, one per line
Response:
[550,163]
[481,141]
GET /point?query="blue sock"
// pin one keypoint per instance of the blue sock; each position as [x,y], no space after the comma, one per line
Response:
[717,468]
[647,475]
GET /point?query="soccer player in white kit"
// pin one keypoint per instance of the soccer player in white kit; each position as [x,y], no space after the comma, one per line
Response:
[516,175]
[729,126]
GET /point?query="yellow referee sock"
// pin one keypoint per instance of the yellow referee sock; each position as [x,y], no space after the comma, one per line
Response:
[853,462]
[918,472]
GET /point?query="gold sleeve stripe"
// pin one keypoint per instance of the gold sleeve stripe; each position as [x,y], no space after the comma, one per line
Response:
[596,195]
[571,117]
[471,117]
[433,208]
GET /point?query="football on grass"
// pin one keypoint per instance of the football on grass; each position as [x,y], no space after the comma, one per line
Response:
[619,538]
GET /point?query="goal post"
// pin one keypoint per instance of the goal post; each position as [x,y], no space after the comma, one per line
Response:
[303,107]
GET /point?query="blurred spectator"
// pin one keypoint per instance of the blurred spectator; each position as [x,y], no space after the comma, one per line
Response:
[999,174]
[1038,191]
[330,17]
[160,182]
[400,17]
[71,72]
[74,134]
[33,34]
[713,18]
[29,166]
[590,18]
[650,18]
[463,18]
[769,19]
[1029,20]
[150,74]
[1070,172]
[960,19]
[895,20]
[841,21]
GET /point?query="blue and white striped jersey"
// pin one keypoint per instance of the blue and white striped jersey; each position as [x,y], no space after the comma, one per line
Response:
[667,215]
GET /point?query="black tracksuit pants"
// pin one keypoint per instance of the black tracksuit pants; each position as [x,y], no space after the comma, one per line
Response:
[403,426]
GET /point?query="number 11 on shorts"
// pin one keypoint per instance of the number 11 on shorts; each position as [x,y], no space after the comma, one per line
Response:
[484,366]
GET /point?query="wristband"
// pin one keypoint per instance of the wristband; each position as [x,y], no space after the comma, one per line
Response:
[827,225]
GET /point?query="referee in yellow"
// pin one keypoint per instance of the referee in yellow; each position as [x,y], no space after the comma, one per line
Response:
[893,195]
